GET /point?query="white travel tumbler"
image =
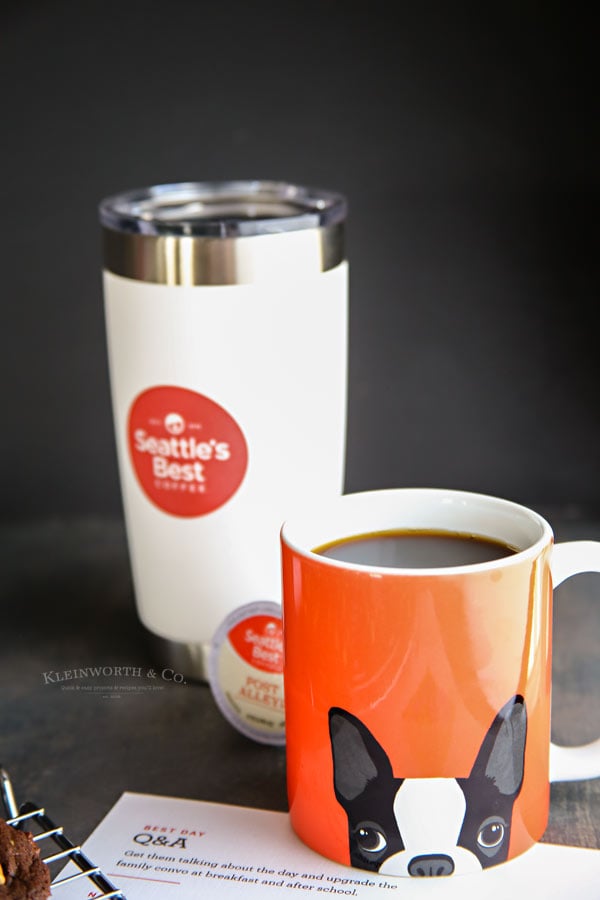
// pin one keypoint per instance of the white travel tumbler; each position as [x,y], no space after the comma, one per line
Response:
[226,315]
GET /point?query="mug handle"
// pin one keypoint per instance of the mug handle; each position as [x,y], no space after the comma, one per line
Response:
[574,763]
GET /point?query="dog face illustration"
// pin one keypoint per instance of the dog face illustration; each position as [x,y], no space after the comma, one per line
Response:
[428,826]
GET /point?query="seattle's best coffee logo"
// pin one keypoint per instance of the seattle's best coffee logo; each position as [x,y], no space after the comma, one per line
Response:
[189,455]
[259,641]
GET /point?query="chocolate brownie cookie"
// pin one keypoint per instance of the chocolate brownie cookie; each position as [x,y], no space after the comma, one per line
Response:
[23,875]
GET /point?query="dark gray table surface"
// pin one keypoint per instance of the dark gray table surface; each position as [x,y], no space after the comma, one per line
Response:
[67,603]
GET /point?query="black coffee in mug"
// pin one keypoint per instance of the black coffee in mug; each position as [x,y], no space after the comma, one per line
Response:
[415,549]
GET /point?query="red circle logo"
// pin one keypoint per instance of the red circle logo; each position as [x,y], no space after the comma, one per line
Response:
[190,456]
[259,641]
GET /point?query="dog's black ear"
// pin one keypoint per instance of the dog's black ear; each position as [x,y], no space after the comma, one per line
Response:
[357,757]
[502,754]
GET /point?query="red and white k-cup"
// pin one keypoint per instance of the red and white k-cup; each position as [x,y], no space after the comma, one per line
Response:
[226,316]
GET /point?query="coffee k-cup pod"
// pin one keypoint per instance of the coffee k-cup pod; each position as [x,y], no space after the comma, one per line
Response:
[246,671]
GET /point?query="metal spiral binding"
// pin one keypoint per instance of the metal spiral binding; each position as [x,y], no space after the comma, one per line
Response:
[55,847]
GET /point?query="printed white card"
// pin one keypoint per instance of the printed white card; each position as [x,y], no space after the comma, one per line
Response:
[164,848]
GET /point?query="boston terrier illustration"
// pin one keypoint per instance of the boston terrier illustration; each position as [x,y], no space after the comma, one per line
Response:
[428,826]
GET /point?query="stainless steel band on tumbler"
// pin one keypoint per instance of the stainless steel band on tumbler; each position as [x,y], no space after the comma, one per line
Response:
[216,233]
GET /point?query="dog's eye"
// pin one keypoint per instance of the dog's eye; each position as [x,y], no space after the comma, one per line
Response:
[370,839]
[491,834]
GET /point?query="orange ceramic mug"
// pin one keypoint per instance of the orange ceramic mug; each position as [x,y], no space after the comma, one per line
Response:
[418,698]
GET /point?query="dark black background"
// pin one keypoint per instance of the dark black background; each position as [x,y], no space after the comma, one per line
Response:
[465,138]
